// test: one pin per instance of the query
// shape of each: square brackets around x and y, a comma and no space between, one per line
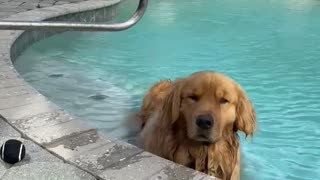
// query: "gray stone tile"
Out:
[16,100]
[4,46]
[7,130]
[44,5]
[15,91]
[49,134]
[12,35]
[79,144]
[5,35]
[4,1]
[61,2]
[47,171]
[6,60]
[2,61]
[9,8]
[74,1]
[12,3]
[210,178]
[6,68]
[178,172]
[3,168]
[99,159]
[5,14]
[35,15]
[48,1]
[29,6]
[4,76]
[141,166]
[29,110]
[12,83]
[45,119]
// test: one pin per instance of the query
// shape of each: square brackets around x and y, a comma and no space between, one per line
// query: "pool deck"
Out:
[58,145]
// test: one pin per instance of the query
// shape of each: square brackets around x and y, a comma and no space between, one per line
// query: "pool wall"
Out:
[53,128]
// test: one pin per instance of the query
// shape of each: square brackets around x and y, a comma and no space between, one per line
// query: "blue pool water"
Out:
[271,47]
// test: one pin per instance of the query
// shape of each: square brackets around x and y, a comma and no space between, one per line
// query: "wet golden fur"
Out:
[169,130]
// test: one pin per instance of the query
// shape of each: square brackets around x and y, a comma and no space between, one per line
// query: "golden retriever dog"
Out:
[194,121]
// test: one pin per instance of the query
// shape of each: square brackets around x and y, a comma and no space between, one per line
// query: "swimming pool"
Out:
[270,47]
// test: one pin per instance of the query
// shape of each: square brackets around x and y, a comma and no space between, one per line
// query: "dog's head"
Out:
[210,106]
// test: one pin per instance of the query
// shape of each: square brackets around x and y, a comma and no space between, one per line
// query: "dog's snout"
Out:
[204,121]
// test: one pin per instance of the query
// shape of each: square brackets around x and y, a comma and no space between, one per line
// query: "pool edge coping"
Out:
[69,139]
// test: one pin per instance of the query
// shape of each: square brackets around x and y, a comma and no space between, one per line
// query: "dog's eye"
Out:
[194,97]
[223,101]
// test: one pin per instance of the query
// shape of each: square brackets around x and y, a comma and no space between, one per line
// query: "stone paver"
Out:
[148,166]
[7,130]
[46,135]
[179,173]
[18,98]
[10,7]
[140,166]
[42,120]
[3,169]
[12,92]
[47,171]
[99,159]
[6,14]
[77,145]
[11,83]
[21,112]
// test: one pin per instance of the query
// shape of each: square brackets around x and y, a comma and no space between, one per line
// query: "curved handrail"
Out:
[68,26]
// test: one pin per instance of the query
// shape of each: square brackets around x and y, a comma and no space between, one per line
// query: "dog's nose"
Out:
[204,121]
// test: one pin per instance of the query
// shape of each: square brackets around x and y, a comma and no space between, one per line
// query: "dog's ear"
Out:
[172,103]
[246,115]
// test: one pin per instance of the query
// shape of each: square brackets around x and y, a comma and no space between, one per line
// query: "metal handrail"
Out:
[68,26]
